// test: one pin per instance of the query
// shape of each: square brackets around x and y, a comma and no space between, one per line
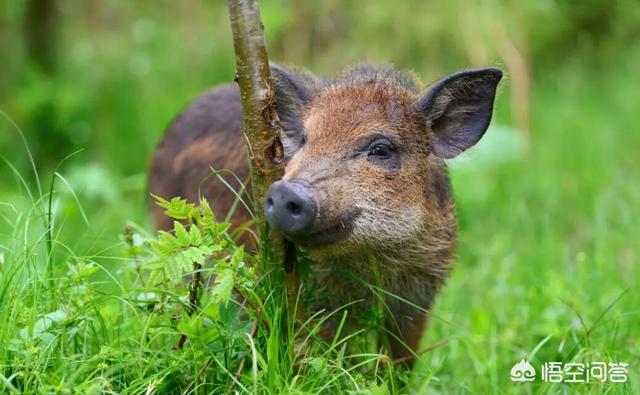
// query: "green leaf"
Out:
[173,270]
[84,270]
[223,227]
[160,248]
[166,245]
[195,236]
[223,286]
[208,218]
[160,201]
[182,263]
[182,235]
[238,255]
[154,264]
[177,208]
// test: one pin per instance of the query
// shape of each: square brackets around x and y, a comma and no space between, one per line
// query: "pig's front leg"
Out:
[405,333]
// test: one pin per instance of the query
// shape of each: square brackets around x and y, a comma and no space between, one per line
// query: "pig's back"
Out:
[207,134]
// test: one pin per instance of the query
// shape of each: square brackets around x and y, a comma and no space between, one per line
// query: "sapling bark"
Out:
[262,132]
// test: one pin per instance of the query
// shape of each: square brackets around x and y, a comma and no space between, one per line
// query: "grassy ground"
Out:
[548,252]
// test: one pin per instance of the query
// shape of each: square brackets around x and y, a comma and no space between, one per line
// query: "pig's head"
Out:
[365,154]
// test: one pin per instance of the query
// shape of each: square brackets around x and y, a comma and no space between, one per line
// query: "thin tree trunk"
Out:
[261,129]
[41,33]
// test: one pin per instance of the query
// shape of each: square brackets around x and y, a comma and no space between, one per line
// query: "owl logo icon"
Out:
[523,371]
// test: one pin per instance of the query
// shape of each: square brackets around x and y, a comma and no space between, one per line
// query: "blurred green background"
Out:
[549,201]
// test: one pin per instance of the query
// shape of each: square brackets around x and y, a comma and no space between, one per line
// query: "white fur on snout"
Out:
[382,226]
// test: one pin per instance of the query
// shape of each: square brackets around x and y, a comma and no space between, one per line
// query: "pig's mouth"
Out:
[327,235]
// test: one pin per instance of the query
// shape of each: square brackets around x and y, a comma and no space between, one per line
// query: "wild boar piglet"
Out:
[365,189]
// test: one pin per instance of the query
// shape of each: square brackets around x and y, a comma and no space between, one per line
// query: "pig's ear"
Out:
[294,91]
[458,109]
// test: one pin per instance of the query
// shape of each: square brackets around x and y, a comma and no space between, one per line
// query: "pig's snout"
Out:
[290,208]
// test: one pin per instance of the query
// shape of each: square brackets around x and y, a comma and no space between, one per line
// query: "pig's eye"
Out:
[380,151]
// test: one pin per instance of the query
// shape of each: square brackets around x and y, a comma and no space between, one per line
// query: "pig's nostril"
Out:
[294,208]
[289,207]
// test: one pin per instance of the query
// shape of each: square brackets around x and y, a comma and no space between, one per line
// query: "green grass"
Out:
[547,266]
